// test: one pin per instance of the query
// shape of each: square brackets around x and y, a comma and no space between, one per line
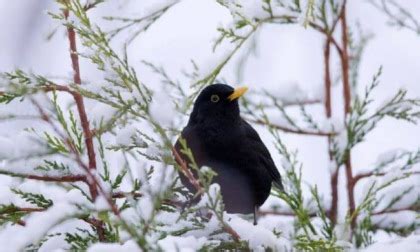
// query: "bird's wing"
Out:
[263,154]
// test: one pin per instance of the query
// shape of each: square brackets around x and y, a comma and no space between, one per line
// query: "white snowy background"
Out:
[285,55]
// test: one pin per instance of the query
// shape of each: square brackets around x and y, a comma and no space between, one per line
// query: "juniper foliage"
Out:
[113,179]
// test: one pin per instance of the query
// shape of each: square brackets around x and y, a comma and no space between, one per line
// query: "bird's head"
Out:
[217,103]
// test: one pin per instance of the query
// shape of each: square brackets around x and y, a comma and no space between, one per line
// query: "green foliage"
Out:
[305,244]
[33,198]
[53,166]
[19,84]
[10,214]
[80,241]
[130,99]
[361,121]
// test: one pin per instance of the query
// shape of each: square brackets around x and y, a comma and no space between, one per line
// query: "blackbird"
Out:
[220,139]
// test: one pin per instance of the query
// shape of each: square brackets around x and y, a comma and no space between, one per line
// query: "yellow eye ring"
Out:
[214,98]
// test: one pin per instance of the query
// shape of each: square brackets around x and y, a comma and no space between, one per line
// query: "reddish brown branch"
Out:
[71,34]
[329,36]
[120,195]
[87,133]
[345,63]
[396,210]
[68,178]
[21,223]
[23,209]
[328,113]
[80,105]
[360,176]
[347,109]
[334,195]
[350,189]
[328,105]
[262,213]
[55,87]
[187,172]
[99,227]
[228,229]
[327,78]
[51,87]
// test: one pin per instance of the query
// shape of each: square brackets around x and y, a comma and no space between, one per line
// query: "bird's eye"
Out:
[214,98]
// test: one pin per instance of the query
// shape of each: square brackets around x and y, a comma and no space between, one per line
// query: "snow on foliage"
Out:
[90,165]
[409,244]
[129,246]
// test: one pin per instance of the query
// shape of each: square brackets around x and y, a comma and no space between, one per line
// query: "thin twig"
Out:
[67,178]
[360,176]
[396,210]
[267,212]
[289,130]
[187,172]
[22,209]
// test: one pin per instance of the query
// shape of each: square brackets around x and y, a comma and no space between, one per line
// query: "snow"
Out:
[408,189]
[285,163]
[398,220]
[22,144]
[101,204]
[208,65]
[214,190]
[37,225]
[182,244]
[153,150]
[54,244]
[388,156]
[292,93]
[258,237]
[332,166]
[253,10]
[102,113]
[145,207]
[406,244]
[7,148]
[332,124]
[151,6]
[128,246]
[162,109]
[171,46]
[248,8]
[342,141]
[125,135]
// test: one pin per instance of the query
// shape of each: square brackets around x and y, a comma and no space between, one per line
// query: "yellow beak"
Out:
[238,92]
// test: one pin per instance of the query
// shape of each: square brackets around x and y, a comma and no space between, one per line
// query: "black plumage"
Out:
[219,138]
